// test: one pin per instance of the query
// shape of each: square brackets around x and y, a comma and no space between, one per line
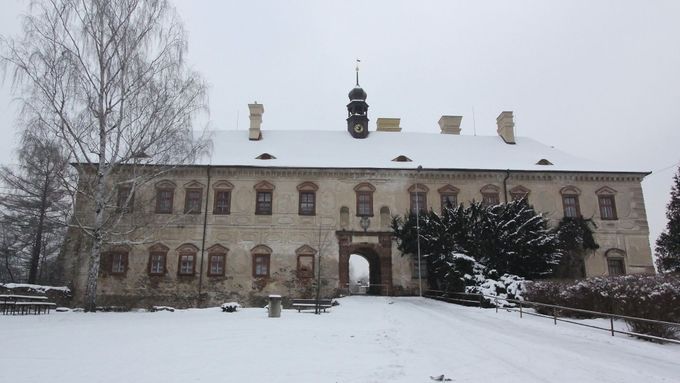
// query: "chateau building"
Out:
[268,209]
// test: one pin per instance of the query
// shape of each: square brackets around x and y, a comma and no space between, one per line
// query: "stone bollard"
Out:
[274,306]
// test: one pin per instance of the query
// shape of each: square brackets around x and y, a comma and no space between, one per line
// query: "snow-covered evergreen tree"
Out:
[668,243]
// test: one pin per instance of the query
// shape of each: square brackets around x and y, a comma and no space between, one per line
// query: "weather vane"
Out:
[358,61]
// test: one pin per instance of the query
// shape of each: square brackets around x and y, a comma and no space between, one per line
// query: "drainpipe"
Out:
[505,185]
[205,225]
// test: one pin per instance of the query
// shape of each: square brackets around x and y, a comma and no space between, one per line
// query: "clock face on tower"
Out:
[358,128]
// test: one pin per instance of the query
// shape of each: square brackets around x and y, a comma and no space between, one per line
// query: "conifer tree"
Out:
[668,243]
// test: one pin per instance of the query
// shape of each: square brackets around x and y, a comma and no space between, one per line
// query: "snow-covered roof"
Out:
[338,149]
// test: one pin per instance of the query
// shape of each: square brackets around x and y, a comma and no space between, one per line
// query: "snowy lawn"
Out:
[365,339]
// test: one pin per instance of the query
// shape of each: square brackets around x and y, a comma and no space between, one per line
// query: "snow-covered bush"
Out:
[230,307]
[645,296]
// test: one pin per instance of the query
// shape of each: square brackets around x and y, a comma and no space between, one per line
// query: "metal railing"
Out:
[478,300]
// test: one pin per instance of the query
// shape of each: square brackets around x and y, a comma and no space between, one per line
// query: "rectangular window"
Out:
[216,265]
[365,204]
[307,203]
[186,264]
[222,202]
[449,200]
[615,266]
[164,200]
[118,263]
[264,203]
[123,204]
[261,265]
[490,199]
[570,203]
[418,202]
[419,268]
[305,266]
[607,207]
[193,201]
[157,263]
[517,196]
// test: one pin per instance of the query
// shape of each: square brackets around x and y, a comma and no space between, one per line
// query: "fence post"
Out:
[555,315]
[520,309]
[611,324]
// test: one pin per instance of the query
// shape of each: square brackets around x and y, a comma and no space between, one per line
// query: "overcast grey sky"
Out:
[597,79]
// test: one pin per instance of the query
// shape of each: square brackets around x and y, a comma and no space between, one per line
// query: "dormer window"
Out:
[402,158]
[265,156]
[543,161]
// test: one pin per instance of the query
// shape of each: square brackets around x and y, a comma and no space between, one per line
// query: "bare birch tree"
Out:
[107,78]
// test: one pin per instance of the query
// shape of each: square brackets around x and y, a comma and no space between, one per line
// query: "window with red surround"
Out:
[125,200]
[261,257]
[364,196]
[305,261]
[519,192]
[490,195]
[157,259]
[222,197]
[186,260]
[307,198]
[264,198]
[606,198]
[164,200]
[448,196]
[418,198]
[570,201]
[193,201]
[119,262]
[217,260]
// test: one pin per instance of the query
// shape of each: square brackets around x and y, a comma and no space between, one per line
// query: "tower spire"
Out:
[357,68]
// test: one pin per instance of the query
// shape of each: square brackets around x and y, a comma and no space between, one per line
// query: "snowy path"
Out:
[366,339]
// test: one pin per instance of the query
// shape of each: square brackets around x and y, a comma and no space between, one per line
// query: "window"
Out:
[307,198]
[305,262]
[519,192]
[124,200]
[261,256]
[570,202]
[615,266]
[222,197]
[607,202]
[364,195]
[418,198]
[448,196]
[193,201]
[217,258]
[187,260]
[157,259]
[419,269]
[119,261]
[263,200]
[490,195]
[165,195]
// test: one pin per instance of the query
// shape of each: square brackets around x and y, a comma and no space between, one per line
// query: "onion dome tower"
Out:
[357,111]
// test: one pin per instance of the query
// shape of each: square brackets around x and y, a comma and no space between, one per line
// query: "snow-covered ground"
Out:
[365,339]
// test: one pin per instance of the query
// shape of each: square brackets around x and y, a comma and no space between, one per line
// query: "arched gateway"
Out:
[376,248]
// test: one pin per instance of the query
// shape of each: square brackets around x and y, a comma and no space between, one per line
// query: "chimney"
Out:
[506,127]
[388,125]
[256,110]
[450,124]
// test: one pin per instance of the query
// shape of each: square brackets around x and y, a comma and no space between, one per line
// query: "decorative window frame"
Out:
[160,250]
[109,257]
[165,186]
[417,189]
[264,252]
[364,189]
[217,251]
[307,188]
[617,255]
[193,187]
[490,191]
[606,192]
[302,252]
[447,191]
[519,192]
[222,187]
[187,250]
[126,206]
[571,191]
[264,187]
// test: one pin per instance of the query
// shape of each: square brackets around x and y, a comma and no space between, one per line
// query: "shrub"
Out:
[654,297]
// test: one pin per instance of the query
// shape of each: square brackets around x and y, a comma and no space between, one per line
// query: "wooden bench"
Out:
[25,304]
[311,304]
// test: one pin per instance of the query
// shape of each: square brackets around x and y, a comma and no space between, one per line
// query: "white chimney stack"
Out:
[506,127]
[388,125]
[256,111]
[450,124]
